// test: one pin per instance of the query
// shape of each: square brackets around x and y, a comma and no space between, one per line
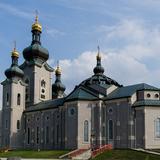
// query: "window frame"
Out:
[18,125]
[18,99]
[86,131]
[27,90]
[157,133]
[112,135]
[42,89]
[7,99]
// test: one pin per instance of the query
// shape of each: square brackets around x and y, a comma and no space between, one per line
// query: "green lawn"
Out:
[34,154]
[126,155]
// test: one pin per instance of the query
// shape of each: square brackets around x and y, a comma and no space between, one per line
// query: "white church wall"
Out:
[134,98]
[84,114]
[42,74]
[151,115]
[154,95]
[35,75]
[111,89]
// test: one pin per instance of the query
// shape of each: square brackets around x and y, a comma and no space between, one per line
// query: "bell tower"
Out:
[13,104]
[38,73]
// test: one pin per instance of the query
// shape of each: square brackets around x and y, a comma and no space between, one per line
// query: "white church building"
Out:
[37,114]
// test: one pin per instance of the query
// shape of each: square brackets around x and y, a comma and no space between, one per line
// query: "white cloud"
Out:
[132,38]
[125,63]
[125,70]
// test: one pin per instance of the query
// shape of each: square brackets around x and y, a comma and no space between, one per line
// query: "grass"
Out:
[34,154]
[126,155]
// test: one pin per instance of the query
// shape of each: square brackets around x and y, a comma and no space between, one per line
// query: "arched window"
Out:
[28,135]
[157,128]
[18,124]
[7,98]
[110,127]
[43,84]
[27,90]
[37,135]
[86,131]
[27,81]
[18,99]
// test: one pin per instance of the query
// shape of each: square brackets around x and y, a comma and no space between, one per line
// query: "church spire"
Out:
[36,30]
[98,54]
[36,51]
[14,70]
[58,88]
[14,55]
[98,69]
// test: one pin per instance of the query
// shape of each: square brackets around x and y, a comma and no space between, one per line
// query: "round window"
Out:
[156,95]
[148,95]
[43,91]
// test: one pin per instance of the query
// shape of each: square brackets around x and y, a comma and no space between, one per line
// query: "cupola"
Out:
[98,70]
[58,88]
[35,51]
[14,70]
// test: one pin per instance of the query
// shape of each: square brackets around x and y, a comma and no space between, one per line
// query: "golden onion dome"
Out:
[36,25]
[15,53]
[58,70]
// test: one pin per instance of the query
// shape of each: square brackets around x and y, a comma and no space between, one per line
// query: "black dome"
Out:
[100,80]
[98,70]
[58,86]
[14,71]
[35,51]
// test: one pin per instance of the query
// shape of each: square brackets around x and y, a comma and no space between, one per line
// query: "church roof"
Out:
[101,80]
[39,63]
[50,104]
[35,51]
[128,91]
[147,103]
[81,93]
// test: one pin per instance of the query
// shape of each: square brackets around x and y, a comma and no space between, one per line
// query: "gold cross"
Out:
[14,42]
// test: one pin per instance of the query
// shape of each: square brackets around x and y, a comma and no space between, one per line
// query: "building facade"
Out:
[37,114]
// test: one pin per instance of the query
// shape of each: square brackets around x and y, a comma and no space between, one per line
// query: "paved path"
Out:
[147,151]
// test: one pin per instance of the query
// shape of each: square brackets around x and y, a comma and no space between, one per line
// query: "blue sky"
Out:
[128,32]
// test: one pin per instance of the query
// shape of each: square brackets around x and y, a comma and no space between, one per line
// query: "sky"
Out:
[127,31]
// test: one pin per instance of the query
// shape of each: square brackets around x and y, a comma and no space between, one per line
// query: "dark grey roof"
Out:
[35,51]
[128,91]
[37,62]
[50,104]
[147,103]
[100,80]
[81,93]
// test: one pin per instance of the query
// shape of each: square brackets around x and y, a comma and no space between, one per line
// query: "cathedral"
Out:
[37,114]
